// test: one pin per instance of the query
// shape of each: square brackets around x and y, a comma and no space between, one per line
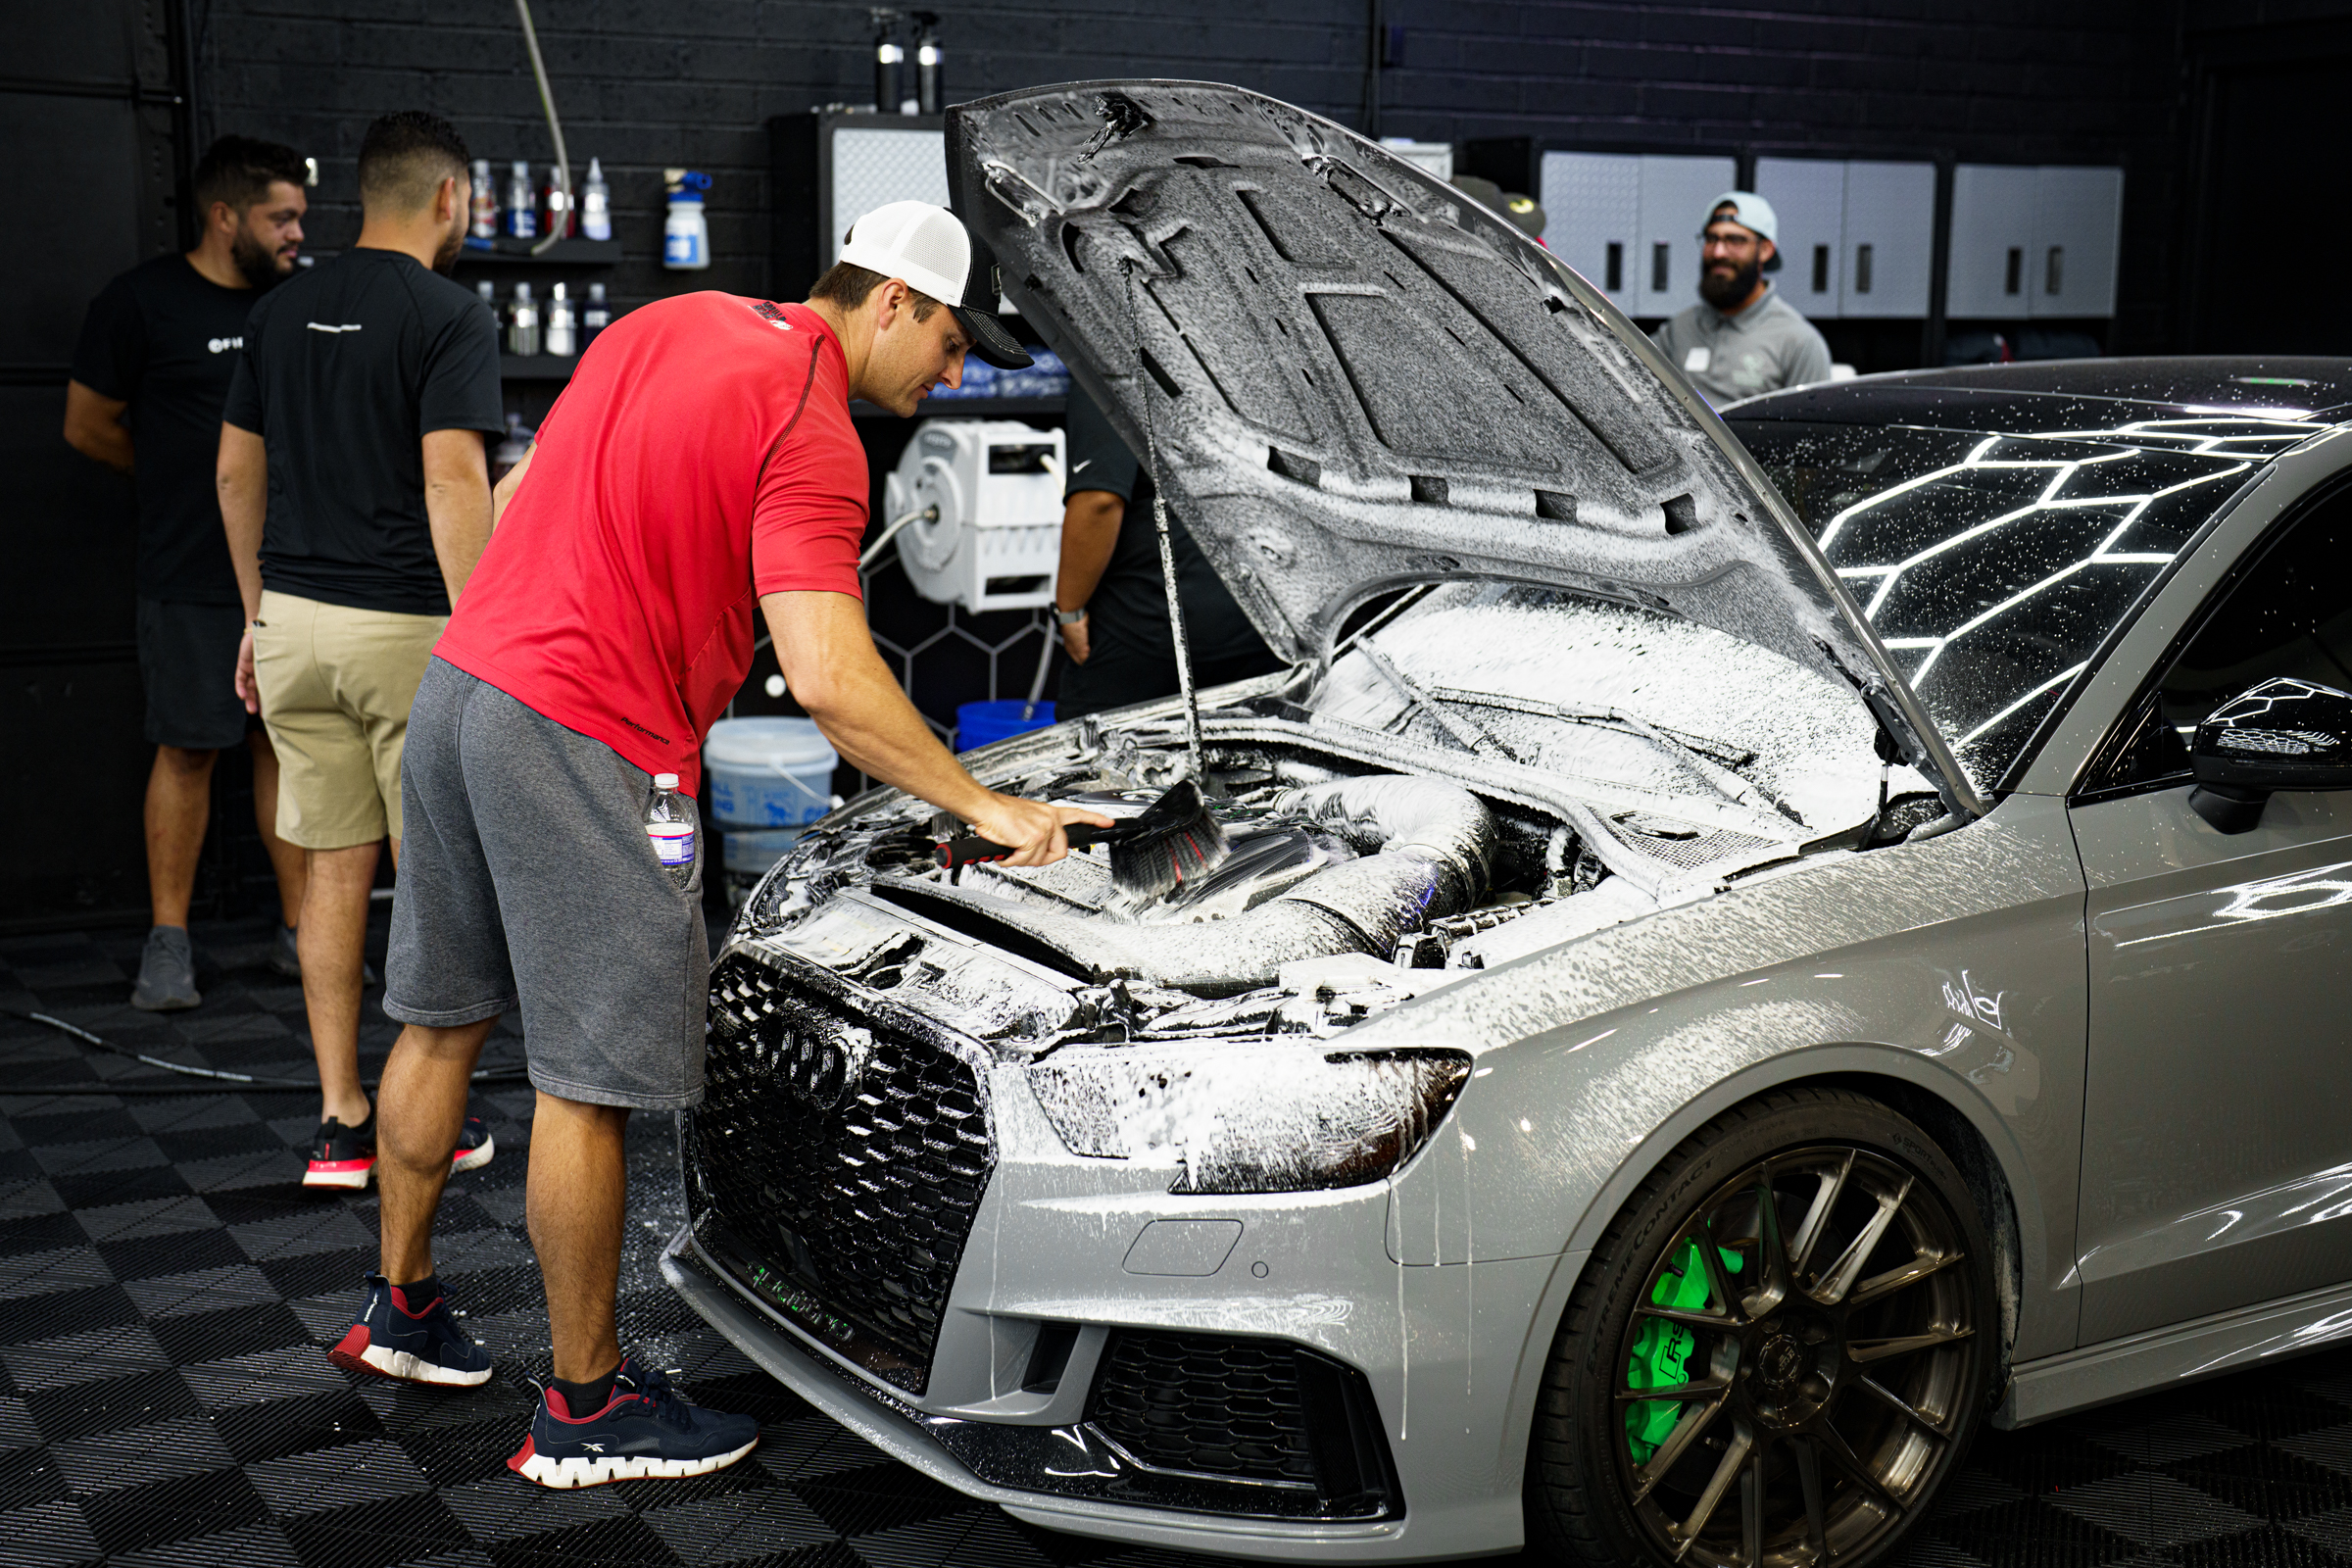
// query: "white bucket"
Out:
[767,773]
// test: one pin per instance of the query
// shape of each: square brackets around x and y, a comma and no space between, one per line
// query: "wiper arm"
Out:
[1466,732]
[1736,788]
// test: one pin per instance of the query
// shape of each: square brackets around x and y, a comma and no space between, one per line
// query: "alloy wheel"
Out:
[1792,1376]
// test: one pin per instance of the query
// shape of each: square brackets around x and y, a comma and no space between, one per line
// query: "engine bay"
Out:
[1483,771]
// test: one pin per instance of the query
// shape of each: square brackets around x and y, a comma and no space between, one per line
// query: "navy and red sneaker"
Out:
[340,1155]
[645,1432]
[474,1147]
[413,1341]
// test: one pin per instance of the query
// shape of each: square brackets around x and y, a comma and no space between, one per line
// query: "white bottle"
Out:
[522,323]
[560,339]
[484,202]
[596,203]
[523,211]
[669,823]
[488,293]
[686,236]
[596,316]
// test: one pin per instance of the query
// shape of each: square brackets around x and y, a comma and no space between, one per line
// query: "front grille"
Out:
[835,1169]
[1255,1412]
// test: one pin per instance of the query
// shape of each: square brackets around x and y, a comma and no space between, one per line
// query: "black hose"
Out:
[229,1082]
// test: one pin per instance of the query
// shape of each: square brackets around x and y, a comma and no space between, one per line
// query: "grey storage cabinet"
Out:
[2078,231]
[1628,222]
[1674,192]
[1808,196]
[2033,241]
[1592,216]
[1890,239]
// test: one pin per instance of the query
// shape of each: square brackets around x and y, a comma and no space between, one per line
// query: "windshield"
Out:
[1992,565]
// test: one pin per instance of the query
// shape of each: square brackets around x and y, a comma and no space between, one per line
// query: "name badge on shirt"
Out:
[1698,359]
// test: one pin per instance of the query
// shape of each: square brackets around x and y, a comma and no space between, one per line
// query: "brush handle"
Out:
[970,849]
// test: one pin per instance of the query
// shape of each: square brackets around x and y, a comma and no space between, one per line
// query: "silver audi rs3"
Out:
[1751,945]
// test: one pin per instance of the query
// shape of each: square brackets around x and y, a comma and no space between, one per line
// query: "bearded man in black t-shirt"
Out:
[150,375]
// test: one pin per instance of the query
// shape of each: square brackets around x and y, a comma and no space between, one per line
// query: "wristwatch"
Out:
[1068,618]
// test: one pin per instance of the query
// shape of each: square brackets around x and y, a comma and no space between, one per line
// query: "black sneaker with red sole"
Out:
[345,1157]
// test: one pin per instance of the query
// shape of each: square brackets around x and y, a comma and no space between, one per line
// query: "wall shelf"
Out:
[568,252]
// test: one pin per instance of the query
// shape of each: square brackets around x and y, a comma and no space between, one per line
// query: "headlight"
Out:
[1249,1117]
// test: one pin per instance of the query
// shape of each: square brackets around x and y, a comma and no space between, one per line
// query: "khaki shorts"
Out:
[336,684]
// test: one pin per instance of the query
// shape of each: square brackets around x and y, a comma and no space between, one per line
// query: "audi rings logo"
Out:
[821,1060]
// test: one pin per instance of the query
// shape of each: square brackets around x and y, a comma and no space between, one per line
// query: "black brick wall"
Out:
[649,84]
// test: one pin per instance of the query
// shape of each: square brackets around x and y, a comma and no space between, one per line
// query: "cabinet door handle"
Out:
[1861,268]
[1661,264]
[1616,268]
[2054,272]
[2015,280]
[1821,268]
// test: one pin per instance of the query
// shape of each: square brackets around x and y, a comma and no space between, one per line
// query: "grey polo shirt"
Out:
[1764,348]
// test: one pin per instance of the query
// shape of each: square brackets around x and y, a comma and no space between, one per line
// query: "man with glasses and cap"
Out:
[1744,338]
[699,468]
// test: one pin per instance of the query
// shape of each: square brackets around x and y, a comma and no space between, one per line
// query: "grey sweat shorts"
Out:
[527,880]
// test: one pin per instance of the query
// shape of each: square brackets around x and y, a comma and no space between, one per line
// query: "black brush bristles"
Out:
[1172,841]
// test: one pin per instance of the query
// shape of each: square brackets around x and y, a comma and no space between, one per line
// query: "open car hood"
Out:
[1350,376]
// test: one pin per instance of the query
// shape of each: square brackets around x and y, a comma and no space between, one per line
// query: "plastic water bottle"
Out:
[596,203]
[669,823]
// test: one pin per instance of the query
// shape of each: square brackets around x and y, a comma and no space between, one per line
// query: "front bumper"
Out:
[1445,1520]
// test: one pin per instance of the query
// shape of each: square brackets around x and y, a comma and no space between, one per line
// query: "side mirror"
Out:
[2283,734]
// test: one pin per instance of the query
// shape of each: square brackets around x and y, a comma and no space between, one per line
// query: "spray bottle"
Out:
[522,323]
[596,203]
[928,83]
[484,225]
[686,235]
[596,316]
[888,56]
[522,213]
[561,339]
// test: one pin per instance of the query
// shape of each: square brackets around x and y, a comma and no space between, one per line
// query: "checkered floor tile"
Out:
[166,1291]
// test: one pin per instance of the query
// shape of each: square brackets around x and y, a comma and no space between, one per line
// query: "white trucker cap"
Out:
[1749,210]
[929,250]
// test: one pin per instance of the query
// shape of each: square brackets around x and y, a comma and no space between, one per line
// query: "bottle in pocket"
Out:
[669,824]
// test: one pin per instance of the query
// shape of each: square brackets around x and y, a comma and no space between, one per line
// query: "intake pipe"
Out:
[1426,849]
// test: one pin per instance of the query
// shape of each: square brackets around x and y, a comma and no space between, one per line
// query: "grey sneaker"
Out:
[166,973]
[282,957]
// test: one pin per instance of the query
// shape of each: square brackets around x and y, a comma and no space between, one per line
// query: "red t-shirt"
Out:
[702,455]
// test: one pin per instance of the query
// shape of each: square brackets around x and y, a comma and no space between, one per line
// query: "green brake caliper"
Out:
[1661,1349]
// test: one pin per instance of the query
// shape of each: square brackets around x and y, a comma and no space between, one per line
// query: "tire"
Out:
[1815,1410]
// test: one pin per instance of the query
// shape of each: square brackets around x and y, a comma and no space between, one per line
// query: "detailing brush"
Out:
[1169,843]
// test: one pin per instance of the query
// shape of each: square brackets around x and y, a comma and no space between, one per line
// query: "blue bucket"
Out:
[979,724]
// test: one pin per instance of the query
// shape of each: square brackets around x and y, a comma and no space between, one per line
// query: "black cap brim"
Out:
[990,340]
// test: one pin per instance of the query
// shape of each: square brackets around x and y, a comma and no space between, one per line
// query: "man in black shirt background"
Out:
[357,498]
[1109,596]
[150,373]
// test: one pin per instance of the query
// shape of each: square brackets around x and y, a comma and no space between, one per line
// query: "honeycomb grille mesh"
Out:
[1205,1405]
[855,1177]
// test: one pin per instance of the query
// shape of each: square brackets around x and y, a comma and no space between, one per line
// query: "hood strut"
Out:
[1182,644]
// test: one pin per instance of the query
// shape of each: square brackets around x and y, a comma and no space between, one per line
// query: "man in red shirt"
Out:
[701,460]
